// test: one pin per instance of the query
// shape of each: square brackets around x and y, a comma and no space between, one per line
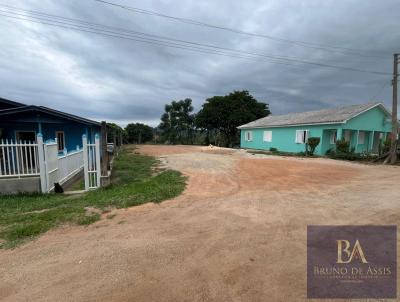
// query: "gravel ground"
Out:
[238,233]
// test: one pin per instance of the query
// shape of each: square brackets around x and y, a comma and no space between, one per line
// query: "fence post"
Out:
[85,162]
[104,153]
[98,165]
[42,165]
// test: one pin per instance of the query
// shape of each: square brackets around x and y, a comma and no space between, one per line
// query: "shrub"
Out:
[342,146]
[312,144]
[345,155]
[386,145]
[272,149]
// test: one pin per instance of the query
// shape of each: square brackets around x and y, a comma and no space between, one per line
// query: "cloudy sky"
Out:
[124,80]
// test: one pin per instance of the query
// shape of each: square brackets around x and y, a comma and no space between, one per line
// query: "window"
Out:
[248,136]
[25,136]
[333,137]
[268,136]
[60,140]
[361,138]
[301,136]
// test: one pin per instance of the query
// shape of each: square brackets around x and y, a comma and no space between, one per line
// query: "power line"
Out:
[161,43]
[104,30]
[380,90]
[323,47]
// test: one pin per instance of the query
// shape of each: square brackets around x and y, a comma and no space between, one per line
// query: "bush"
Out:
[345,155]
[272,149]
[386,145]
[312,144]
[342,146]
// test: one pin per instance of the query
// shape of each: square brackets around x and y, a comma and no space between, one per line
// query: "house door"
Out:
[25,136]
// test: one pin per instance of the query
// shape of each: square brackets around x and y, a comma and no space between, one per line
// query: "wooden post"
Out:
[85,162]
[120,139]
[104,153]
[98,170]
[42,165]
[393,147]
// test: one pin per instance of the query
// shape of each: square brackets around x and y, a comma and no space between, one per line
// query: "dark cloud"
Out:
[123,81]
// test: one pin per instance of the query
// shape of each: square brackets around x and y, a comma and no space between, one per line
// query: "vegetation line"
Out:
[25,216]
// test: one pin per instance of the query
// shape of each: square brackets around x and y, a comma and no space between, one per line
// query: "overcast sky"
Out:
[124,81]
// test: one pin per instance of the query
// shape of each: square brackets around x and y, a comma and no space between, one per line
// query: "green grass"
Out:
[23,217]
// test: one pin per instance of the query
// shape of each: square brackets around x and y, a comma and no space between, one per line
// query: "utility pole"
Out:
[393,148]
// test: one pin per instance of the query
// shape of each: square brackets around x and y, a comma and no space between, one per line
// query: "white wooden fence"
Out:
[26,159]
[18,159]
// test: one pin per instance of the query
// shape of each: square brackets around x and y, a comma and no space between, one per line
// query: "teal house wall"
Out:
[373,124]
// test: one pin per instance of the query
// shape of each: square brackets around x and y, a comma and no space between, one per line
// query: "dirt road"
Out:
[238,233]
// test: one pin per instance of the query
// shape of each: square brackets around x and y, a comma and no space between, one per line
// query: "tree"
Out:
[177,123]
[312,144]
[226,113]
[138,133]
[114,130]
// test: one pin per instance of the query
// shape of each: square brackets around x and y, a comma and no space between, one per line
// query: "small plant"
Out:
[386,145]
[312,144]
[342,146]
[272,149]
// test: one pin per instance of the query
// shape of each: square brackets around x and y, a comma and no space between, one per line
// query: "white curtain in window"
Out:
[302,136]
[333,137]
[267,136]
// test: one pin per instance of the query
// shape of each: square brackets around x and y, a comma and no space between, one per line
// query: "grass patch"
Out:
[25,216]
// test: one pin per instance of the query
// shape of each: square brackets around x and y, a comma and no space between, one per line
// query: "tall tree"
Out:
[177,123]
[226,113]
[114,130]
[138,133]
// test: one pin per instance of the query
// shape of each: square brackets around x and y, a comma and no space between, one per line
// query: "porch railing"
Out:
[70,164]
[18,159]
[23,159]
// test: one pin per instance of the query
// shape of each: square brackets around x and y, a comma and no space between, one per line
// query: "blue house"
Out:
[40,147]
[21,122]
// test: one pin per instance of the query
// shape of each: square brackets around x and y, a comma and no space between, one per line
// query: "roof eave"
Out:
[49,111]
[291,125]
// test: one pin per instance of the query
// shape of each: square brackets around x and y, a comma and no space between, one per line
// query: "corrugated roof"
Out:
[325,116]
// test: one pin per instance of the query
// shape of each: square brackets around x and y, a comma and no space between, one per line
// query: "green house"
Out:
[364,126]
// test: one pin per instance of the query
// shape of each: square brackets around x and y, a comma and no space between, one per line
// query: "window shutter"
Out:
[299,136]
[248,136]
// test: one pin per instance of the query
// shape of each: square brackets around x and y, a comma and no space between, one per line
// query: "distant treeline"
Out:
[216,122]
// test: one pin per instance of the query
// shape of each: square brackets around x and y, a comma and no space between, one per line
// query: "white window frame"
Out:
[267,136]
[58,143]
[361,137]
[248,136]
[304,136]
[333,137]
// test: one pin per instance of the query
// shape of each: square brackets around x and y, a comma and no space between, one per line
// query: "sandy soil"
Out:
[238,233]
